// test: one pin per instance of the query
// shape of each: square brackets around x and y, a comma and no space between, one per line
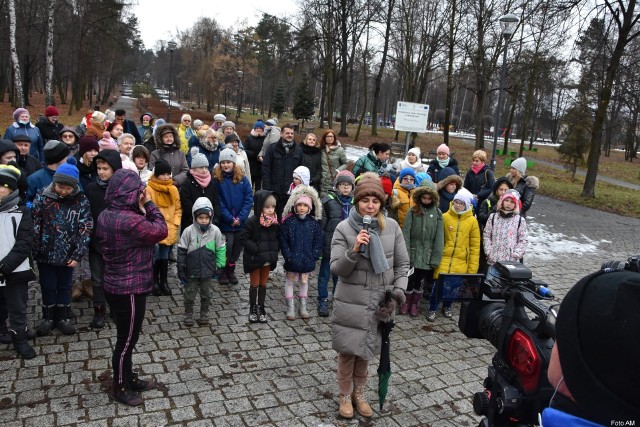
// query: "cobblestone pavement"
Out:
[283,373]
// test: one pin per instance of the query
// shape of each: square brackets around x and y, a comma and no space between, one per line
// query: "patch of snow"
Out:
[546,245]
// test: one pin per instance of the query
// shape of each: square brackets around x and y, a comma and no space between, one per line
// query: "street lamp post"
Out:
[172,46]
[508,23]
[189,94]
[240,80]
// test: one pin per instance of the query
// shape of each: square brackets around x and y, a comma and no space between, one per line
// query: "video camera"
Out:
[515,319]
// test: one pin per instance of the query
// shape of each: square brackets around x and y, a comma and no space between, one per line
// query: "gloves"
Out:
[398,295]
[386,310]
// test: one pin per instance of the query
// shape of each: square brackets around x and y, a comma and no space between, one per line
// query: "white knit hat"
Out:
[303,174]
[520,164]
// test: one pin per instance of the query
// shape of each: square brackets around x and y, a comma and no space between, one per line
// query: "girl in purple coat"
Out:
[128,229]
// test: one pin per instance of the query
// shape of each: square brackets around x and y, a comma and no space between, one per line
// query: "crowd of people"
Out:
[112,203]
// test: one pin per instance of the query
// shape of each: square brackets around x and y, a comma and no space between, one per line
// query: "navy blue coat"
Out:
[236,201]
[301,243]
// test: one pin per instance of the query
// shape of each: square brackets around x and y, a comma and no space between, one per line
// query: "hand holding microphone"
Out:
[366,223]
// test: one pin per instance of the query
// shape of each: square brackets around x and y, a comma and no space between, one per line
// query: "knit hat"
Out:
[197,122]
[67,173]
[368,185]
[9,176]
[230,138]
[107,143]
[464,196]
[305,200]
[227,124]
[596,334]
[112,157]
[98,117]
[303,174]
[198,160]
[88,143]
[19,112]
[54,151]
[51,111]
[387,185]
[421,176]
[227,155]
[511,194]
[166,129]
[416,151]
[161,167]
[185,117]
[407,171]
[271,122]
[443,148]
[258,124]
[520,164]
[219,118]
[344,176]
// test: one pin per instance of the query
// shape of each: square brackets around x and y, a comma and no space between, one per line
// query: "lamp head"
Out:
[172,45]
[508,24]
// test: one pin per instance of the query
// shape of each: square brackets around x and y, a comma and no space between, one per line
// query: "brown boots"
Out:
[358,400]
[83,287]
[346,407]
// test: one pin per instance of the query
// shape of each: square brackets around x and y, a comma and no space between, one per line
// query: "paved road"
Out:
[283,373]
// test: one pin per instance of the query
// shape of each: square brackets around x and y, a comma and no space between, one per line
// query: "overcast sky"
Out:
[159,19]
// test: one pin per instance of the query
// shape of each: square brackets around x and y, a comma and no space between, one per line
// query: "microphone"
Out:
[366,223]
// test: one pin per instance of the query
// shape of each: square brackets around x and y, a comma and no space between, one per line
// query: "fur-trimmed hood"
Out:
[532,181]
[158,136]
[425,187]
[449,179]
[304,190]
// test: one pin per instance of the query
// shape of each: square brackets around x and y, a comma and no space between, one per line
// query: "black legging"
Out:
[415,280]
[128,311]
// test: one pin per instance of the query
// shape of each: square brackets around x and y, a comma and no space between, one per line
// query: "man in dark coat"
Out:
[278,164]
[128,125]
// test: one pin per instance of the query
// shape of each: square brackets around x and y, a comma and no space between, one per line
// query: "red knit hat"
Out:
[51,111]
[387,185]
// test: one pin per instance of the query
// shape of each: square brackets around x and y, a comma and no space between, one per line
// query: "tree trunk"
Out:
[449,88]
[383,61]
[48,82]
[589,188]
[344,60]
[512,112]
[19,100]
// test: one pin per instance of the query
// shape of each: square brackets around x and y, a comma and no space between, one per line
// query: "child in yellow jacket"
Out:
[167,197]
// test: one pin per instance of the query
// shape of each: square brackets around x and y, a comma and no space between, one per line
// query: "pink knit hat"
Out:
[305,200]
[443,148]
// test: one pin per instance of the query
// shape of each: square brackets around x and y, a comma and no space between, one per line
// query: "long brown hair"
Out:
[237,173]
[323,137]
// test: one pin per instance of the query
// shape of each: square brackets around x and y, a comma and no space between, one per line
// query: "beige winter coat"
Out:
[355,327]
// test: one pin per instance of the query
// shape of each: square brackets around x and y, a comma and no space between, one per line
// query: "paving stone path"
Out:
[283,373]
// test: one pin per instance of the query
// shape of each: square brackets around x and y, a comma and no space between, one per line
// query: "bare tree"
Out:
[381,69]
[49,56]
[17,77]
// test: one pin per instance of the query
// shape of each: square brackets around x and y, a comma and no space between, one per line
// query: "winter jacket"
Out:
[96,191]
[481,183]
[37,181]
[145,132]
[424,233]
[88,174]
[301,239]
[335,209]
[243,162]
[261,244]
[312,158]
[368,163]
[170,153]
[278,167]
[236,201]
[252,146]
[185,133]
[434,168]
[62,226]
[190,191]
[201,253]
[527,187]
[28,164]
[272,135]
[505,237]
[49,130]
[211,151]
[127,236]
[129,126]
[355,327]
[37,143]
[401,201]
[16,243]
[167,198]
[448,176]
[461,252]
[337,161]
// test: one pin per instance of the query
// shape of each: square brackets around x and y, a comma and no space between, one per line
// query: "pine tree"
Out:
[577,141]
[278,102]
[303,107]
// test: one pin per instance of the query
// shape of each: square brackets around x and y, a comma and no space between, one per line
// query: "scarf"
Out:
[287,147]
[477,169]
[408,187]
[268,220]
[162,192]
[102,184]
[444,163]
[9,202]
[374,250]
[345,201]
[202,178]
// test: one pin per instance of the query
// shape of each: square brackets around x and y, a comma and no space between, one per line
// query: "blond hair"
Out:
[480,155]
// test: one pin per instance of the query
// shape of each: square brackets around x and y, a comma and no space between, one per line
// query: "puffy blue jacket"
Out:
[236,201]
[301,243]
